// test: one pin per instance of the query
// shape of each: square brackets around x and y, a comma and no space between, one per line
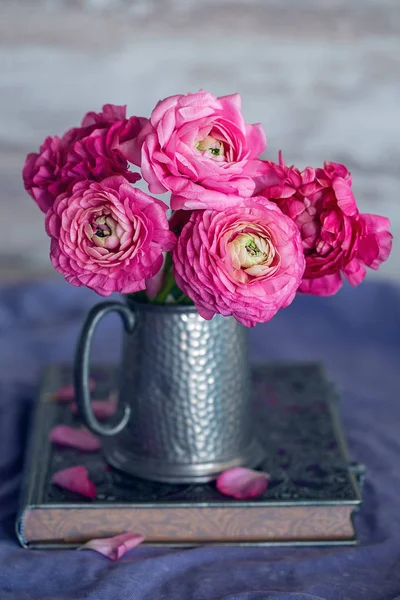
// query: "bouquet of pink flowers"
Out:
[245,234]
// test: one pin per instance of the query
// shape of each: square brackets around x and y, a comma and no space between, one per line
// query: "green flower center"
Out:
[211,147]
[252,249]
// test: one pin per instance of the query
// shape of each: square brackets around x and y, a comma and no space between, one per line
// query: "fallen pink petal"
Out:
[66,393]
[114,547]
[241,483]
[102,409]
[82,439]
[75,479]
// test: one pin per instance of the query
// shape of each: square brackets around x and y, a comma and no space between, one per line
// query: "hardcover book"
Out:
[312,495]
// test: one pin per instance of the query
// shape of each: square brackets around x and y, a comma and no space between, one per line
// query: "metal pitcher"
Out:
[185,388]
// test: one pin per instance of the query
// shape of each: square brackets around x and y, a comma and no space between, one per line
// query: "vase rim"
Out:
[170,308]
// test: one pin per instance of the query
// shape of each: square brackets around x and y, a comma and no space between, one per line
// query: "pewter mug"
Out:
[185,387]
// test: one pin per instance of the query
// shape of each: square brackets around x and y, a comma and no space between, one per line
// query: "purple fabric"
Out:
[356,334]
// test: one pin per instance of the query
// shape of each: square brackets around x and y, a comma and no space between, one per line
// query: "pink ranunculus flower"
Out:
[99,148]
[246,261]
[199,148]
[336,237]
[108,236]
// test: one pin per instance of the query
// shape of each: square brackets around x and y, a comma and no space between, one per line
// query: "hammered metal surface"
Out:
[303,452]
[188,383]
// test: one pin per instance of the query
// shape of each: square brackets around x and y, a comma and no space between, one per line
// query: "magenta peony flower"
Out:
[336,237]
[97,149]
[199,148]
[108,236]
[246,261]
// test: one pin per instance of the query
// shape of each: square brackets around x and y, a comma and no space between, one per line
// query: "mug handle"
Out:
[82,361]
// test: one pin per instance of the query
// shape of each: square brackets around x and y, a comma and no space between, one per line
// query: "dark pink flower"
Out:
[42,172]
[97,149]
[114,547]
[75,479]
[336,238]
[81,439]
[108,236]
[246,261]
[199,148]
[241,483]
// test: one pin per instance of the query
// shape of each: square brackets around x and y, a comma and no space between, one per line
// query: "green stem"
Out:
[167,287]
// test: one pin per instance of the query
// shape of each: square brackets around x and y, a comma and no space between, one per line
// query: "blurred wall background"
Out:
[323,76]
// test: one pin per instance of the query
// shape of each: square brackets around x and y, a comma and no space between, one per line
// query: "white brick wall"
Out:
[322,76]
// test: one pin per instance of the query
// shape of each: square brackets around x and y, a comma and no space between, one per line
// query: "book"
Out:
[312,495]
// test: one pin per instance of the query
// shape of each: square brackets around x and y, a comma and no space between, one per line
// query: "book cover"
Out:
[311,498]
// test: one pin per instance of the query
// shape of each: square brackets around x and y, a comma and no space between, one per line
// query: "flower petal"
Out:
[114,547]
[154,284]
[242,483]
[102,409]
[355,272]
[327,285]
[75,479]
[345,197]
[66,393]
[82,439]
